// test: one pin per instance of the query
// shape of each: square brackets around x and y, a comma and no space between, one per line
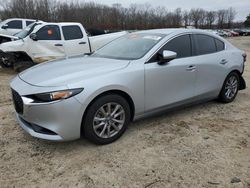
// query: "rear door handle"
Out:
[223,61]
[191,68]
[58,45]
[82,42]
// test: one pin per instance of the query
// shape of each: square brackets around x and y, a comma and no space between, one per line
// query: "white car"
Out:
[14,25]
[43,41]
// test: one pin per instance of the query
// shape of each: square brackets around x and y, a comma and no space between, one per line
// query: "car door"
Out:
[211,65]
[47,45]
[12,27]
[75,41]
[171,82]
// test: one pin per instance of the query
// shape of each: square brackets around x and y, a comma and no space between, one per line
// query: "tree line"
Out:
[116,17]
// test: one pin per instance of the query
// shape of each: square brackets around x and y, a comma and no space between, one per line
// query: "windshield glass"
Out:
[26,31]
[129,47]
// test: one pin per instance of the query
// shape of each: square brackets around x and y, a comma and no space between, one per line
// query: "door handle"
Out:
[58,45]
[191,68]
[82,42]
[223,61]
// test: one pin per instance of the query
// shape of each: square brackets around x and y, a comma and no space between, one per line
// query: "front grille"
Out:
[18,102]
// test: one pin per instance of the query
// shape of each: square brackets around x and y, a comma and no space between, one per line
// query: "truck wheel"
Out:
[7,61]
[22,65]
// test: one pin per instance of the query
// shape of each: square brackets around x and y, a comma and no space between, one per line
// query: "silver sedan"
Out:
[137,75]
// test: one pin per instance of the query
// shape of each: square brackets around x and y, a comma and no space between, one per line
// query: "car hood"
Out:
[9,36]
[66,71]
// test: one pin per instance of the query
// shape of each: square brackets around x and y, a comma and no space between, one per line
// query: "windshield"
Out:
[26,31]
[129,47]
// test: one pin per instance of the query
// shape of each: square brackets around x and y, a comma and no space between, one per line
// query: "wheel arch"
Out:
[242,81]
[122,93]
[22,56]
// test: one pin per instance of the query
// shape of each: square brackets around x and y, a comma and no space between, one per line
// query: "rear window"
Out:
[205,44]
[219,45]
[15,24]
[49,32]
[72,32]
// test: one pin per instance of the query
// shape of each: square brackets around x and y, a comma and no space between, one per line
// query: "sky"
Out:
[241,6]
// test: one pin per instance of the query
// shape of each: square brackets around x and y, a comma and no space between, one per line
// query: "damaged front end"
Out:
[19,61]
[7,59]
[7,38]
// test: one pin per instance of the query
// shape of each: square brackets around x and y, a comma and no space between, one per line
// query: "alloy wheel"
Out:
[109,120]
[231,87]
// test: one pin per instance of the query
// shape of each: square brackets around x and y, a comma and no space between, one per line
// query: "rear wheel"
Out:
[106,119]
[230,88]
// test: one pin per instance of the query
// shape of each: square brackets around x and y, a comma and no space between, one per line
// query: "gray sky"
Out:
[241,6]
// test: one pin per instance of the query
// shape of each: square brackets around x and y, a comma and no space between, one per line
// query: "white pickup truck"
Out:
[42,41]
[12,26]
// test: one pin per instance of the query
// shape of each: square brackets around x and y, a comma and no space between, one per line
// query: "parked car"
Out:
[235,34]
[14,25]
[43,41]
[242,32]
[223,33]
[132,77]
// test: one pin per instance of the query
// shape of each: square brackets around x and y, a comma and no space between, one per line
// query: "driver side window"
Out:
[181,45]
[49,32]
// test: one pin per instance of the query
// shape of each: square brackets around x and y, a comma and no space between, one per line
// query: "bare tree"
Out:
[221,17]
[230,17]
[196,16]
[186,18]
[210,18]
[116,17]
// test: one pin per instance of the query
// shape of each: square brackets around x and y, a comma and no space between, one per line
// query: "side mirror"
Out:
[33,36]
[5,26]
[167,56]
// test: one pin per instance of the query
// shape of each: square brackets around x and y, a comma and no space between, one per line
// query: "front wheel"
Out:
[230,88]
[106,119]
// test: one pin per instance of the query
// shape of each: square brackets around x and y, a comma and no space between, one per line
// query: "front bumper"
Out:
[57,121]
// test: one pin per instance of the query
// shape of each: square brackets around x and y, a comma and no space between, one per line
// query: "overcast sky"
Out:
[241,6]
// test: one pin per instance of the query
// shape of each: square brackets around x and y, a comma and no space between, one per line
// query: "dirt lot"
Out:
[201,146]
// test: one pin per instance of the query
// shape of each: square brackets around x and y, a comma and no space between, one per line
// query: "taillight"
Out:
[244,57]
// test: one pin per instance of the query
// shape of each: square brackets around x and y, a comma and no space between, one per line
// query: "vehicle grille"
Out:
[18,102]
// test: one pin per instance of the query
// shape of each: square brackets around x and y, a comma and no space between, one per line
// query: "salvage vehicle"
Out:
[10,27]
[132,77]
[42,41]
[14,25]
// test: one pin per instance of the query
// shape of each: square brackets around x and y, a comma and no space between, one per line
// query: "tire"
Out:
[101,128]
[232,83]
[7,61]
[22,65]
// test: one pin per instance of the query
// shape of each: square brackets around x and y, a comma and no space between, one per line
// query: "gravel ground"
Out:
[206,145]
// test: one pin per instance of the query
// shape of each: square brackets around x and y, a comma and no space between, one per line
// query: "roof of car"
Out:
[174,30]
[21,19]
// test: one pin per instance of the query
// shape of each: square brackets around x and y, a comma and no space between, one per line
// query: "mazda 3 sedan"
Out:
[132,77]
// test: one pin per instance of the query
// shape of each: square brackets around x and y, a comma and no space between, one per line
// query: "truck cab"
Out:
[42,41]
[14,25]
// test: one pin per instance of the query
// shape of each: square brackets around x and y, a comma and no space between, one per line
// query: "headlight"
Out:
[54,96]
